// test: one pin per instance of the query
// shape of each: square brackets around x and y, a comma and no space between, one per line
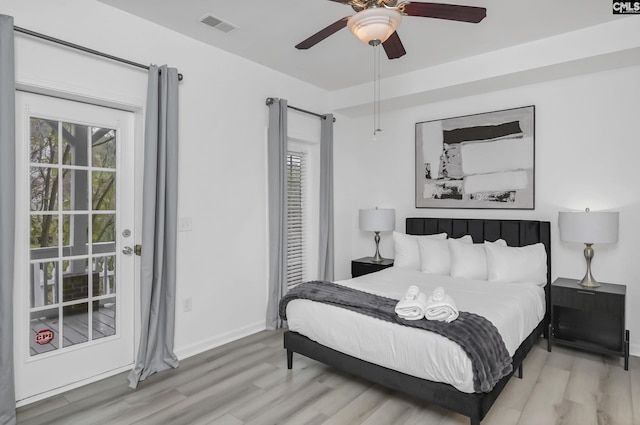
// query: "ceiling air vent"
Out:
[218,23]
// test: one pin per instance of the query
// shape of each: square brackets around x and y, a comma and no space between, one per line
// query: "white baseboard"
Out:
[202,346]
[634,350]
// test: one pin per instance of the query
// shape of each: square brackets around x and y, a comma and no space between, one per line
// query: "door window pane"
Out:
[44,189]
[75,229]
[104,190]
[105,270]
[104,318]
[103,148]
[44,232]
[104,228]
[75,190]
[74,144]
[75,324]
[75,286]
[44,335]
[44,141]
[44,283]
[76,283]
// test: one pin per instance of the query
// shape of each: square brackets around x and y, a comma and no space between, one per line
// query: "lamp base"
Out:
[377,258]
[588,281]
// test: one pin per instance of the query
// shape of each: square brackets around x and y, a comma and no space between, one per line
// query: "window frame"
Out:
[311,198]
[296,231]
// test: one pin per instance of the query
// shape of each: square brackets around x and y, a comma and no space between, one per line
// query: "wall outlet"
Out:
[187,305]
[184,224]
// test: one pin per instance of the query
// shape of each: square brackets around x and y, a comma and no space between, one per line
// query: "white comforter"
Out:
[515,310]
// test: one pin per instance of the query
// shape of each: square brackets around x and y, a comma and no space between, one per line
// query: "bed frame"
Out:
[473,405]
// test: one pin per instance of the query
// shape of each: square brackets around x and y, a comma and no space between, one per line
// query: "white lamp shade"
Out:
[377,23]
[589,226]
[378,220]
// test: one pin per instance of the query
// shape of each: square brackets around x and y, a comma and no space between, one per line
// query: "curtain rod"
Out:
[82,48]
[270,100]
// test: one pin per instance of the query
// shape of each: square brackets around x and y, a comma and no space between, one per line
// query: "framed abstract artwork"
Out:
[477,161]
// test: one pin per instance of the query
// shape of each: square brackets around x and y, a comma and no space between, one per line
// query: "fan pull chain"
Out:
[376,90]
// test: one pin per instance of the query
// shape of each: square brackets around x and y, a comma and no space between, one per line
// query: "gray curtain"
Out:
[159,226]
[277,180]
[7,218]
[325,260]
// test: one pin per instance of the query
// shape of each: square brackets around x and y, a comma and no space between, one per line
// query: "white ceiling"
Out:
[268,31]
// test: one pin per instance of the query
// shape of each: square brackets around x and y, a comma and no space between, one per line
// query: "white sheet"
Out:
[515,310]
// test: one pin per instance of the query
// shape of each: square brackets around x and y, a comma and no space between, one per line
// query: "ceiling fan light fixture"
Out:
[374,25]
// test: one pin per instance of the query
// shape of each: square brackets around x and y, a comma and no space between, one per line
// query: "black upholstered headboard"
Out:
[514,232]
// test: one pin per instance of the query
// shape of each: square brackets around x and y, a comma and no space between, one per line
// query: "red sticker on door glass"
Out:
[44,336]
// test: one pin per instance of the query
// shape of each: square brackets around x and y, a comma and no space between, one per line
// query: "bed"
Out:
[311,332]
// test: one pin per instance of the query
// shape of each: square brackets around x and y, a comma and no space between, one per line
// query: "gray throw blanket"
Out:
[477,336]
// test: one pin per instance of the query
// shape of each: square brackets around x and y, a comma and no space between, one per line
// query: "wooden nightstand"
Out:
[592,319]
[366,265]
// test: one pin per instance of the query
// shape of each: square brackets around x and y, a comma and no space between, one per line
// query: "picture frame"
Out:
[480,161]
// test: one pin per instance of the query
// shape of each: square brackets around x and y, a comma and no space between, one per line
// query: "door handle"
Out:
[127,250]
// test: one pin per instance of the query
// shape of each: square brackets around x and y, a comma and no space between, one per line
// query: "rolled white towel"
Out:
[412,305]
[440,306]
[412,293]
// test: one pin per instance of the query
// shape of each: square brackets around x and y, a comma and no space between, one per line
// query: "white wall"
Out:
[222,263]
[587,153]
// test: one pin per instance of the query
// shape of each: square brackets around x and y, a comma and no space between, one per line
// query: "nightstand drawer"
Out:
[574,298]
[587,300]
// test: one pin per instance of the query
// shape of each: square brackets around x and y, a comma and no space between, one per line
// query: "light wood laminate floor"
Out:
[247,382]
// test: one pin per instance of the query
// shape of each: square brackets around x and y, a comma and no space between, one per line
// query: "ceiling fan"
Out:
[376,21]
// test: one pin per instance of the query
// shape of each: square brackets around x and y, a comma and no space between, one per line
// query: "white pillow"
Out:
[517,265]
[469,261]
[465,239]
[434,254]
[407,253]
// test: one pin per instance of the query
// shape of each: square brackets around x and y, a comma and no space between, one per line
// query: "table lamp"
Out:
[588,227]
[377,220]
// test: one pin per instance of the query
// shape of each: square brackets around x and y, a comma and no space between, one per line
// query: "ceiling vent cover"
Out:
[218,23]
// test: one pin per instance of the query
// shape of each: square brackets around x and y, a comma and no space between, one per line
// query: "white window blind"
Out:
[295,217]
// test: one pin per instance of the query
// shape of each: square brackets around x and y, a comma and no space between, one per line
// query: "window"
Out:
[296,259]
[72,170]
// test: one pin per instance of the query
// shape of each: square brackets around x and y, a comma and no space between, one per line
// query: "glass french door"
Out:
[75,270]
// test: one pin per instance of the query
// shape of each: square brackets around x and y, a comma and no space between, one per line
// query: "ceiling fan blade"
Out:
[322,34]
[393,46]
[451,12]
